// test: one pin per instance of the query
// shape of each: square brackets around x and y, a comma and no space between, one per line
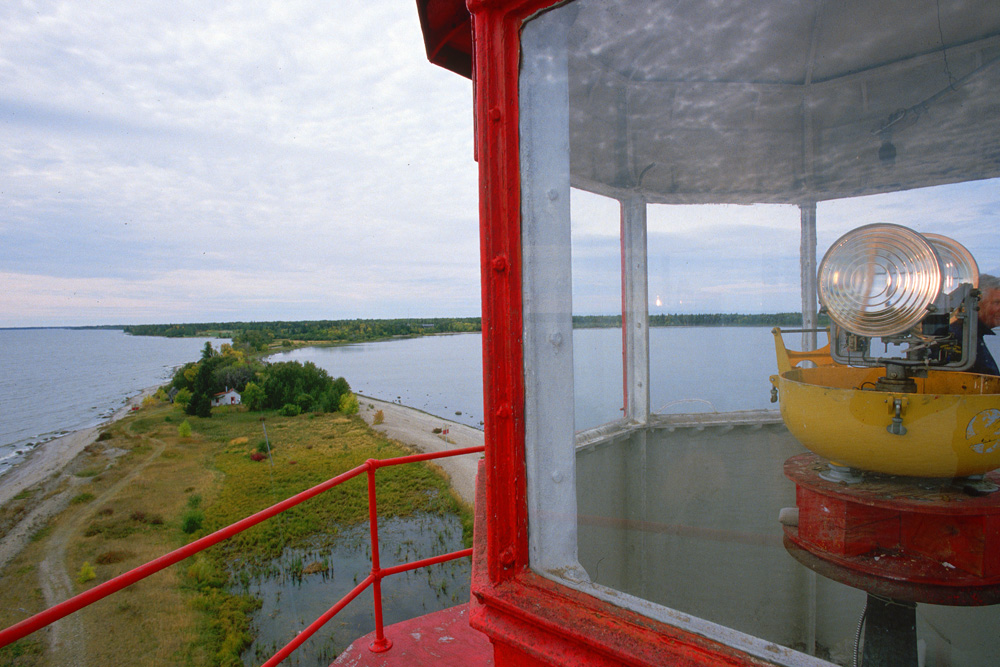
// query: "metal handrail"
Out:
[381,643]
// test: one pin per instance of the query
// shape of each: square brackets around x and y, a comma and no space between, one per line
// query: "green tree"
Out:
[290,410]
[183,397]
[349,404]
[253,397]
[202,387]
[200,406]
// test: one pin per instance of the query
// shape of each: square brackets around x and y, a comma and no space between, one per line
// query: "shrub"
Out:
[105,435]
[203,573]
[263,446]
[290,410]
[379,418]
[257,456]
[253,397]
[184,430]
[113,556]
[183,397]
[81,498]
[305,402]
[192,520]
[349,404]
[86,573]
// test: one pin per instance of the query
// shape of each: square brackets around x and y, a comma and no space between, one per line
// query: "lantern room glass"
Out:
[679,167]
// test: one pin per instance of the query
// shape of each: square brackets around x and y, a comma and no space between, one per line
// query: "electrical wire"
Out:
[857,635]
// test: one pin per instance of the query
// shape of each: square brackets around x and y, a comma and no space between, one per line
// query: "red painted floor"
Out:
[443,639]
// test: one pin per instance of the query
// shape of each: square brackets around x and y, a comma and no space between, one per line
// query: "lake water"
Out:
[692,369]
[292,597]
[55,381]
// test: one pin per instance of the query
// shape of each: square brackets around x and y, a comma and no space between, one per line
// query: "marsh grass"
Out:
[197,616]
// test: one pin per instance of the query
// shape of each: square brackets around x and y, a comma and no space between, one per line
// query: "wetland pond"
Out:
[303,583]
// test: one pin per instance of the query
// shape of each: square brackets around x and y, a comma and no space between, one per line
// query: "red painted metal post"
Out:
[381,643]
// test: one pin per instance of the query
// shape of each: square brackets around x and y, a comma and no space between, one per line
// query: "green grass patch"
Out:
[81,498]
[89,472]
[145,424]
[113,529]
[250,487]
[192,520]
[21,651]
[41,533]
[24,495]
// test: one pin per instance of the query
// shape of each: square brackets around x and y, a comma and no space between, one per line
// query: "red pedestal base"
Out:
[903,538]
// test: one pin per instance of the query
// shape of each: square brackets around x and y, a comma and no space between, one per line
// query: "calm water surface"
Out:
[55,381]
[290,602]
[693,369]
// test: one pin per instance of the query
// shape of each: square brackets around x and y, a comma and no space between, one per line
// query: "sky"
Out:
[183,162]
[190,162]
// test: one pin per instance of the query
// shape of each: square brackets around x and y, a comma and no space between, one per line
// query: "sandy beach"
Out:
[416,429]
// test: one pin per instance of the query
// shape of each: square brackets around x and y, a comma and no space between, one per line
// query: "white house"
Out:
[228,397]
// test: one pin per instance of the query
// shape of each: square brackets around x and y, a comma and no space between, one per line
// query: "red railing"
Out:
[381,643]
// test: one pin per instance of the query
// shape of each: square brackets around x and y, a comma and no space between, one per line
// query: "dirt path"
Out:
[415,428]
[67,643]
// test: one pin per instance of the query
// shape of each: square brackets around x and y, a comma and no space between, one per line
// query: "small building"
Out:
[227,397]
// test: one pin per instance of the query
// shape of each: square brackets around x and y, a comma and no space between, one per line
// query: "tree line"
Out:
[259,336]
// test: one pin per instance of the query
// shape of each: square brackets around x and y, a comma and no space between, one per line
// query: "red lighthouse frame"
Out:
[529,619]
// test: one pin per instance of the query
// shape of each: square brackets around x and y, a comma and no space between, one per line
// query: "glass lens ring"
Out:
[957,263]
[878,280]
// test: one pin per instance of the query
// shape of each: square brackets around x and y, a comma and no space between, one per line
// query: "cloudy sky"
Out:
[190,162]
[182,161]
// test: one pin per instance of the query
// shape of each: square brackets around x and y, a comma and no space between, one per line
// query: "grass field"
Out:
[142,490]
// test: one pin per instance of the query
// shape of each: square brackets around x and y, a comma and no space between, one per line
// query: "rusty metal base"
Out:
[899,538]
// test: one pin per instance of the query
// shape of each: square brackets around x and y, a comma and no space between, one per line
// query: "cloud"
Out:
[266,160]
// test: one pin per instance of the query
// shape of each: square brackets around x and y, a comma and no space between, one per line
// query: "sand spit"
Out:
[416,429]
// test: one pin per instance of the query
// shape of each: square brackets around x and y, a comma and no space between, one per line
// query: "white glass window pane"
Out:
[731,130]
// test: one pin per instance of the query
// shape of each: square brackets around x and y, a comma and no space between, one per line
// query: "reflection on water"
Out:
[304,583]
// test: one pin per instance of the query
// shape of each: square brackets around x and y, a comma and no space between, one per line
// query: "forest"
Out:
[262,335]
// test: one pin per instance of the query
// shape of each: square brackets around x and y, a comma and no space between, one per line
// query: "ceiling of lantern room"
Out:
[779,101]
[769,100]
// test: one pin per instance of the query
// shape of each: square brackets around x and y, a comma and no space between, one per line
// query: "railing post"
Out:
[381,643]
